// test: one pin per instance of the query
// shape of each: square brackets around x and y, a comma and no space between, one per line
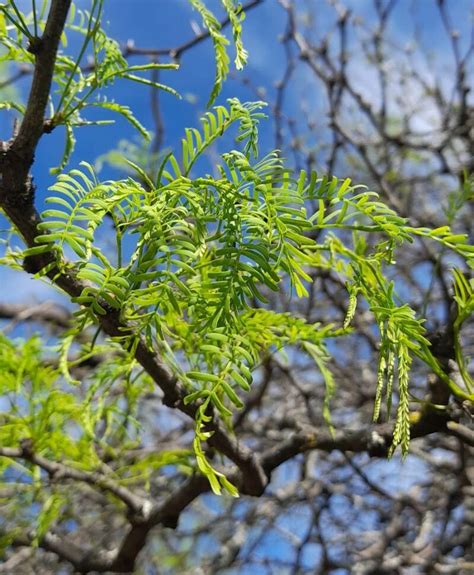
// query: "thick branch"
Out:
[45,49]
[16,189]
[373,439]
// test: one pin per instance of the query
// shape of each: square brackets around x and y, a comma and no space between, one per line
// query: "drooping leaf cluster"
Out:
[196,255]
[236,15]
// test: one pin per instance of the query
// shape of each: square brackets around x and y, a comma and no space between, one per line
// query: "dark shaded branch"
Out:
[462,432]
[67,551]
[373,439]
[45,49]
[16,189]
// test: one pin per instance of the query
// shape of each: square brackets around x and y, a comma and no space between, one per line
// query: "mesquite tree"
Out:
[196,357]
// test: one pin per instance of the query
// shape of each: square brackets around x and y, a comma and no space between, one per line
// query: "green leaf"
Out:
[125,112]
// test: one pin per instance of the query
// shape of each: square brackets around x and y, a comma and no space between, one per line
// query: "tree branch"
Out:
[373,439]
[47,311]
[177,52]
[45,50]
[59,471]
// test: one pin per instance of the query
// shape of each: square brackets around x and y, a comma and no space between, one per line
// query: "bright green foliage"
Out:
[464,298]
[195,258]
[78,429]
[235,15]
[76,87]
[202,250]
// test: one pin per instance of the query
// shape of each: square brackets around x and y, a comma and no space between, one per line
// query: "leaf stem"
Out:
[19,25]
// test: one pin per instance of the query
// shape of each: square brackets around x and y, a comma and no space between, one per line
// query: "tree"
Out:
[242,327]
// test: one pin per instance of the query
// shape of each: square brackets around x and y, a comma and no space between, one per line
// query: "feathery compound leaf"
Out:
[401,433]
[464,295]
[110,287]
[49,513]
[401,337]
[220,42]
[217,480]
[78,88]
[69,146]
[125,112]
[216,123]
[79,208]
[321,357]
[236,16]
[464,298]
